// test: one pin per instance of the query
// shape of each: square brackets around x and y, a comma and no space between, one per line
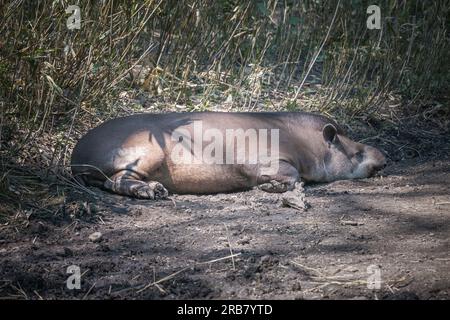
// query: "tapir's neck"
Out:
[309,155]
[311,167]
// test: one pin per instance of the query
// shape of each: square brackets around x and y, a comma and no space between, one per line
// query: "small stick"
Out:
[84,273]
[308,268]
[160,288]
[162,280]
[39,296]
[229,245]
[89,291]
[350,223]
[182,270]
[219,259]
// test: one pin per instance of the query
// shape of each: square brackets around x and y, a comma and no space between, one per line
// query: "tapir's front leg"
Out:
[282,181]
[127,183]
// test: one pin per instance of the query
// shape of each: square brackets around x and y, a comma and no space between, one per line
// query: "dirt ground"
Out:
[245,245]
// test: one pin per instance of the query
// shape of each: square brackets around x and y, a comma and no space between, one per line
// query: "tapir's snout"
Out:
[376,160]
[378,167]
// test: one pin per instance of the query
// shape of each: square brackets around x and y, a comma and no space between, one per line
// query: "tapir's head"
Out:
[344,158]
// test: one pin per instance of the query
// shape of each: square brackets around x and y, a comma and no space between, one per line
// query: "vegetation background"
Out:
[171,55]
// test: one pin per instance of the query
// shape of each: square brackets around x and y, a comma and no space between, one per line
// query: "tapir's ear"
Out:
[329,133]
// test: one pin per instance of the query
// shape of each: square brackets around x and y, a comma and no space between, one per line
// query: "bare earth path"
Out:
[398,224]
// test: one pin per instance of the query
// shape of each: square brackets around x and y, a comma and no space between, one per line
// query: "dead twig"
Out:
[89,291]
[350,223]
[154,283]
[229,245]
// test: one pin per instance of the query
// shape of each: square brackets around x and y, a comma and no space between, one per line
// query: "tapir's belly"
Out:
[203,178]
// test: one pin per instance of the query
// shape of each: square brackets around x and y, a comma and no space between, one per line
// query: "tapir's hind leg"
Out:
[127,183]
[284,180]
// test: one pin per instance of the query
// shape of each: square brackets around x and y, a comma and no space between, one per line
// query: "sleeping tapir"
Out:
[149,155]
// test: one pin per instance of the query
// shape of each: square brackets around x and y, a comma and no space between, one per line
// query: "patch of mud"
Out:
[390,231]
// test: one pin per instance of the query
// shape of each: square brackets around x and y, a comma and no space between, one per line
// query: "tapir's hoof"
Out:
[152,190]
[274,186]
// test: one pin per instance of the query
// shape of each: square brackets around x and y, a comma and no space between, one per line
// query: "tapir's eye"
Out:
[359,156]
